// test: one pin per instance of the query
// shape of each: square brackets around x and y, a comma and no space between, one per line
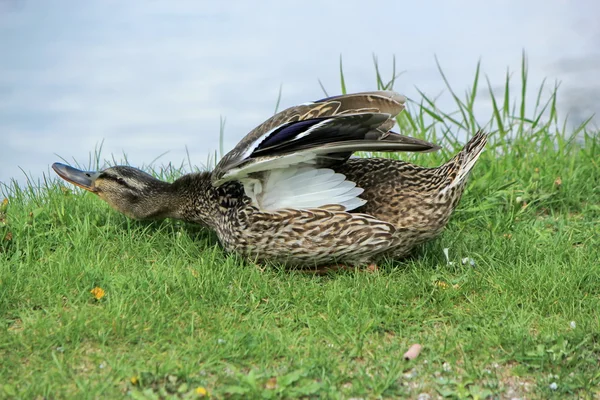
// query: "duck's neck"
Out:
[192,198]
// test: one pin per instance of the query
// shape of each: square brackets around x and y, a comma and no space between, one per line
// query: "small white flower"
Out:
[519,199]
[446,367]
[220,341]
[573,325]
[553,386]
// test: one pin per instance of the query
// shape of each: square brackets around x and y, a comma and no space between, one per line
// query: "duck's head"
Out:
[126,189]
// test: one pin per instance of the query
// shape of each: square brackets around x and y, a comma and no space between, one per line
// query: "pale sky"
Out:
[149,77]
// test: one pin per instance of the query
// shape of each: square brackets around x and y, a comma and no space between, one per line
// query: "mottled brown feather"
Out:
[380,102]
[404,209]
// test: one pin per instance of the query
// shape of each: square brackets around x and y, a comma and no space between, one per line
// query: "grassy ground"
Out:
[178,318]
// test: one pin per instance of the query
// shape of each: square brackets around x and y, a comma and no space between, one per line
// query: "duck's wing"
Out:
[275,160]
[322,133]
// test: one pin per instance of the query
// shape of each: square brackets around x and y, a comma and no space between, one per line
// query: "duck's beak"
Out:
[83,179]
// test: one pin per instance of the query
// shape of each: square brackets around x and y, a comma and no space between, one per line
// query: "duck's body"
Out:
[289,193]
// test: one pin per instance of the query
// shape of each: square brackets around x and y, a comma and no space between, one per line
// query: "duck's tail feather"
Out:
[457,169]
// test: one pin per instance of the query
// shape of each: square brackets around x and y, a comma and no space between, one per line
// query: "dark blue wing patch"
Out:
[342,128]
[288,132]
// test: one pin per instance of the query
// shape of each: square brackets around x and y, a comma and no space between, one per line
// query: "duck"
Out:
[291,192]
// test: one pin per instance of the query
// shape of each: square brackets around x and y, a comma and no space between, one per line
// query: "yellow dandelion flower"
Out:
[441,284]
[201,391]
[97,292]
[134,380]
[4,205]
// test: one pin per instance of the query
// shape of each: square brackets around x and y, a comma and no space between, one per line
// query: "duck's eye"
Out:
[121,181]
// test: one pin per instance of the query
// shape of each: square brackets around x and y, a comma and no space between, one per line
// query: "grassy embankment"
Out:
[179,317]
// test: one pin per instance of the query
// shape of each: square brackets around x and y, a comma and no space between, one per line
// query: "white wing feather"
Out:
[301,188]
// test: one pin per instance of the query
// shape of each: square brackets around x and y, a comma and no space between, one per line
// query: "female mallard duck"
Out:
[289,191]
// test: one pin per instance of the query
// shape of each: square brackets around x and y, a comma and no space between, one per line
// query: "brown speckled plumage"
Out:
[293,237]
[409,197]
[404,204]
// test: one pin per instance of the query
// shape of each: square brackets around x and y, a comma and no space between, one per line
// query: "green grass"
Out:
[179,314]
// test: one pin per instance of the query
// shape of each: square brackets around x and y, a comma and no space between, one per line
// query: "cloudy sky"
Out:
[147,77]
